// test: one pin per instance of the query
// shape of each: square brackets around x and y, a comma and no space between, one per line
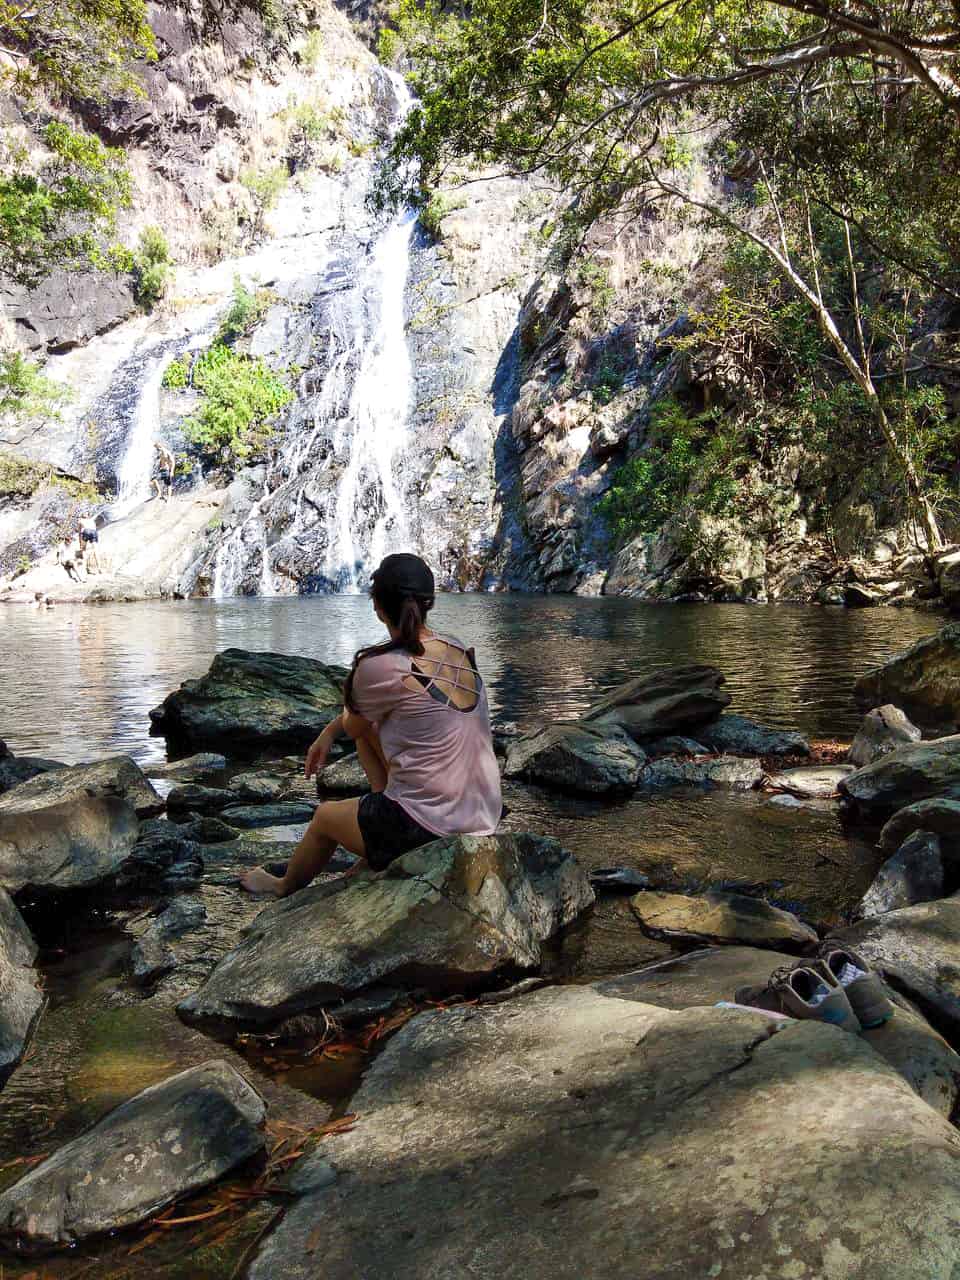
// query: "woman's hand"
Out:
[318,753]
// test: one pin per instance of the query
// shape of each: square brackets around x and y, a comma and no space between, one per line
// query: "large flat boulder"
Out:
[75,844]
[668,701]
[907,1041]
[913,874]
[917,771]
[720,917]
[591,1136]
[251,703]
[811,782]
[195,768]
[117,776]
[883,730]
[918,950]
[450,915]
[924,682]
[574,757]
[939,815]
[286,813]
[737,736]
[20,997]
[165,1142]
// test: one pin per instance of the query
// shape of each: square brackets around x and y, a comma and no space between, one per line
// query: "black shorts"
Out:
[388,830]
[89,535]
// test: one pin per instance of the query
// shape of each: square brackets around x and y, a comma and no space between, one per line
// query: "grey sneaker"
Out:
[863,988]
[803,992]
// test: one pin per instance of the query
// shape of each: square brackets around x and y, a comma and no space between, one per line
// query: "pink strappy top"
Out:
[443,771]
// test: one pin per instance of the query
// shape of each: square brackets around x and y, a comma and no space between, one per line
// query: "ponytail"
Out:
[407,614]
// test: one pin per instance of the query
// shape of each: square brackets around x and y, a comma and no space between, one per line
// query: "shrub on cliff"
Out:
[241,396]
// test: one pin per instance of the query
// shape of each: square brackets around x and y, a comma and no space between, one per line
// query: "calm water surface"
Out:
[77,682]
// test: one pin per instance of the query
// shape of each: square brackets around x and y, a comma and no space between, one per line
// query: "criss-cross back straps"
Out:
[452,675]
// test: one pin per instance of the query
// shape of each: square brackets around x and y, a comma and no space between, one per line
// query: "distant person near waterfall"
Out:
[417,709]
[164,469]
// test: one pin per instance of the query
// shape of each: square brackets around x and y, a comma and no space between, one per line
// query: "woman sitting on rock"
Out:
[417,710]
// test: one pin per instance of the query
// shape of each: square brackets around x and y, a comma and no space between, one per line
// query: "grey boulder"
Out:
[717,917]
[669,701]
[251,703]
[118,776]
[75,844]
[195,798]
[811,782]
[577,757]
[883,730]
[738,736]
[290,813]
[452,914]
[195,768]
[924,681]
[599,1137]
[914,874]
[917,771]
[344,777]
[732,772]
[941,816]
[21,1000]
[17,769]
[173,1138]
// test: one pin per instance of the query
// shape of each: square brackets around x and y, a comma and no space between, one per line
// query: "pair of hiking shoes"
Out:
[838,987]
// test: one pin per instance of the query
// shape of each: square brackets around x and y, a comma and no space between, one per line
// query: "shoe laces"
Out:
[781,977]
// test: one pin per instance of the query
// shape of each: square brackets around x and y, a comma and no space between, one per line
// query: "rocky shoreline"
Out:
[508,1113]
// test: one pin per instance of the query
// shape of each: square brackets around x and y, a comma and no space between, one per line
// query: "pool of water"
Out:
[77,682]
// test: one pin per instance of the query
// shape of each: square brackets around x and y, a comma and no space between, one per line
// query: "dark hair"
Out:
[403,589]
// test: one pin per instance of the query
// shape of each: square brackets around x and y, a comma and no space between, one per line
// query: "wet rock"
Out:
[917,771]
[68,308]
[883,730]
[194,798]
[738,736]
[924,681]
[118,776]
[76,844]
[150,960]
[257,788]
[918,950]
[290,813]
[160,845]
[206,829]
[726,771]
[556,1107]
[674,745]
[17,769]
[942,817]
[720,917]
[666,702]
[164,1143]
[151,957]
[619,879]
[343,777]
[913,874]
[452,914]
[21,1000]
[195,768]
[907,1042]
[251,703]
[577,757]
[811,782]
[5,752]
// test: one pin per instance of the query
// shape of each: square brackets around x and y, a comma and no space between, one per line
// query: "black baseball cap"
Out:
[404,573]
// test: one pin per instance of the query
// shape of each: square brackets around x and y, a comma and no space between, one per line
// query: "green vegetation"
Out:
[176,375]
[436,208]
[24,565]
[241,396]
[593,276]
[19,477]
[312,50]
[608,378]
[246,310]
[151,267]
[265,185]
[389,46]
[25,392]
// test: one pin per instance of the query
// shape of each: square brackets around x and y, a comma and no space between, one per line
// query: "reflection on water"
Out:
[77,682]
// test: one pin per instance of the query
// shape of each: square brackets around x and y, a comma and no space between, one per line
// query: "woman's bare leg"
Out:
[334,823]
[370,754]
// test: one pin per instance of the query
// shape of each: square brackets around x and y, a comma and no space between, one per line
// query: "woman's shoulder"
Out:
[374,665]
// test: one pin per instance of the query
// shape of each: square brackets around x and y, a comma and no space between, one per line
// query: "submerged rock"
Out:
[343,777]
[941,816]
[720,917]
[883,730]
[451,914]
[738,736]
[907,1042]
[258,788]
[576,757]
[924,682]
[564,1106]
[291,813]
[195,768]
[164,1143]
[249,703]
[75,844]
[21,1000]
[917,771]
[914,874]
[160,847]
[619,879]
[726,771]
[117,776]
[668,701]
[815,782]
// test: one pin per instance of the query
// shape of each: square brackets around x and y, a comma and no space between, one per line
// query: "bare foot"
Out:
[259,881]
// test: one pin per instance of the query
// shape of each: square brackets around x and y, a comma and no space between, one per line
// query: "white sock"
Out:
[849,973]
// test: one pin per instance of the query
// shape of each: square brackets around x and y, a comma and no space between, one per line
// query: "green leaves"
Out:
[240,397]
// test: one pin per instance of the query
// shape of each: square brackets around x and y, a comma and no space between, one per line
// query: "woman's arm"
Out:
[317,755]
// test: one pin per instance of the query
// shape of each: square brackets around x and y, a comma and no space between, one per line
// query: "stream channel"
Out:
[76,683]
